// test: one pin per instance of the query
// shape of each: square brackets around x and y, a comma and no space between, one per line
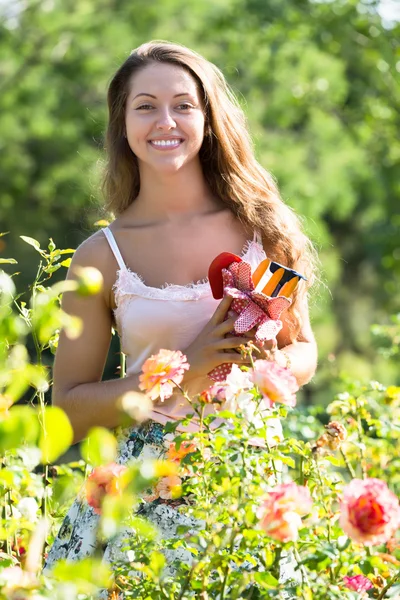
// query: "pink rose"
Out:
[358,583]
[281,510]
[276,384]
[102,481]
[370,512]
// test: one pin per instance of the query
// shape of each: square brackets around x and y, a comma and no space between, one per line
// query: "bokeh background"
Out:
[320,84]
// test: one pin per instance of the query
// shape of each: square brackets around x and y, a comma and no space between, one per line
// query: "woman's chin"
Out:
[167,166]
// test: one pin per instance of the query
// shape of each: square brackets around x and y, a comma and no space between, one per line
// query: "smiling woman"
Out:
[168,118]
[184,185]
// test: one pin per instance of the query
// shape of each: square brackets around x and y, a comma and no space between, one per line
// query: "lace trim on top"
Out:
[129,283]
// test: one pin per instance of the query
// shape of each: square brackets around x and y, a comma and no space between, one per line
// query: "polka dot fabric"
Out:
[253,308]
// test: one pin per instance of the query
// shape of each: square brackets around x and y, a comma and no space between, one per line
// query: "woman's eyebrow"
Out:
[155,97]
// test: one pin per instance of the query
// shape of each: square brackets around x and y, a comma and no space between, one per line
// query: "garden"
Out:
[312,513]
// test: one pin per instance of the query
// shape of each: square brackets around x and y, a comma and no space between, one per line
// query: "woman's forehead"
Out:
[163,78]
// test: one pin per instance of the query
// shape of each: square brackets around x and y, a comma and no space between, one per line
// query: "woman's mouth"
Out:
[170,144]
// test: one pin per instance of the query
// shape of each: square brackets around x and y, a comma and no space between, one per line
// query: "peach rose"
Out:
[276,384]
[369,511]
[280,512]
[161,372]
[169,488]
[175,455]
[103,480]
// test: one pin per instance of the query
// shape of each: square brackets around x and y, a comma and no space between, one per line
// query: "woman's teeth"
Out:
[165,143]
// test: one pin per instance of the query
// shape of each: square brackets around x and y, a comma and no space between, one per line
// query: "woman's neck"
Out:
[173,195]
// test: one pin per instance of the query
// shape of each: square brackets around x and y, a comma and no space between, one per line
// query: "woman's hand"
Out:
[211,348]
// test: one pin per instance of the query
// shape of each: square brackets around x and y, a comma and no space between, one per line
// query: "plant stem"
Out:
[361,442]
[388,586]
[227,568]
[122,364]
[304,577]
[348,464]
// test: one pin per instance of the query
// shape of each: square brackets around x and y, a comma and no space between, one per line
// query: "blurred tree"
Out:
[319,82]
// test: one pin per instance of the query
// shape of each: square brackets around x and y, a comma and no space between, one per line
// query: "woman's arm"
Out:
[301,356]
[79,363]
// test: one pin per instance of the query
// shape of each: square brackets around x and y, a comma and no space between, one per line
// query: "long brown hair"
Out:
[227,157]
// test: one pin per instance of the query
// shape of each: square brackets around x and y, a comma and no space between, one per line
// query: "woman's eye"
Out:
[144,107]
[185,106]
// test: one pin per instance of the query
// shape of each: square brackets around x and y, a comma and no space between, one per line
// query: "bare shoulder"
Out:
[95,252]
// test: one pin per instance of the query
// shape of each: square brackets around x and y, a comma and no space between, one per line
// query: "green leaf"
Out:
[66,262]
[56,434]
[266,580]
[87,574]
[20,426]
[157,563]
[100,447]
[8,261]
[337,462]
[30,241]
[52,268]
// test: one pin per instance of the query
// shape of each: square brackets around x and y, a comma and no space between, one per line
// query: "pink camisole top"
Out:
[149,319]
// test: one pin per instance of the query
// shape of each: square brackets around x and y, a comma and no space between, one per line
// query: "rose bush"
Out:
[321,499]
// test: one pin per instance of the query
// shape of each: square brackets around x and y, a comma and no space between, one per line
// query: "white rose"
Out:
[28,508]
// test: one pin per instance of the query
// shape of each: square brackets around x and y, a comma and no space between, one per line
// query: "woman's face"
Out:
[164,118]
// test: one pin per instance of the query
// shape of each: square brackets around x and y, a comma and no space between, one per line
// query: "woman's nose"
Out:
[165,120]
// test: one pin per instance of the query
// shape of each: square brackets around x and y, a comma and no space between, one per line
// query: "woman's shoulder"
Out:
[95,252]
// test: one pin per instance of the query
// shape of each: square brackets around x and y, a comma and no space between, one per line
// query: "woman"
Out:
[184,185]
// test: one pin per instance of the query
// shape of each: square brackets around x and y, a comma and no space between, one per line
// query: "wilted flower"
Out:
[276,384]
[370,512]
[103,480]
[214,394]
[161,372]
[281,510]
[333,437]
[358,583]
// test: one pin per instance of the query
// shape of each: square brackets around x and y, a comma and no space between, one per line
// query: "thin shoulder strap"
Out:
[257,237]
[113,245]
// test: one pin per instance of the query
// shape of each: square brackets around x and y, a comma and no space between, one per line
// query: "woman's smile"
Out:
[167,143]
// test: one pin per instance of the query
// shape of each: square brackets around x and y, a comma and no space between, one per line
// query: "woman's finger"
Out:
[230,342]
[235,357]
[221,310]
[225,327]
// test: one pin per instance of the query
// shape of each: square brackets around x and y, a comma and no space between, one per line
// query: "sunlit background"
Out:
[319,82]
